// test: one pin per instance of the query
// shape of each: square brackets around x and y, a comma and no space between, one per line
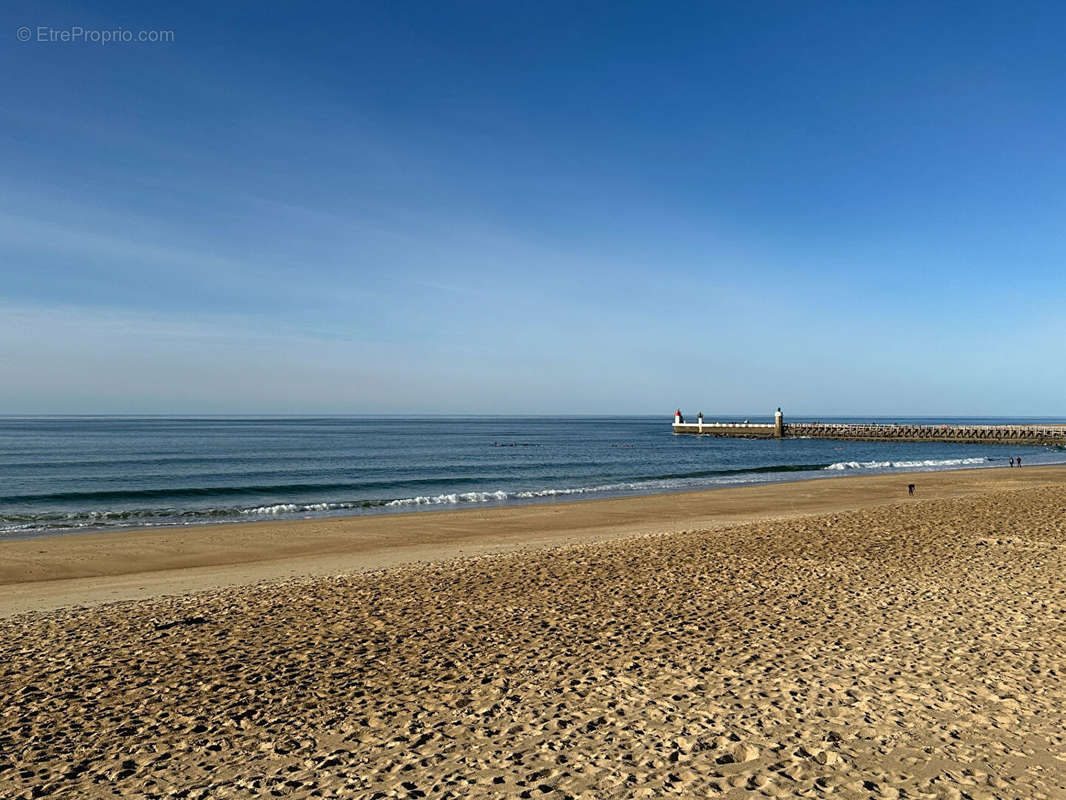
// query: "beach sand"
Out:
[827,638]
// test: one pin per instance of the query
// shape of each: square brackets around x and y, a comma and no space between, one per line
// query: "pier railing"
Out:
[1030,434]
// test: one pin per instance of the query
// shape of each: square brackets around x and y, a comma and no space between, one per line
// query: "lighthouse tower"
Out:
[779,424]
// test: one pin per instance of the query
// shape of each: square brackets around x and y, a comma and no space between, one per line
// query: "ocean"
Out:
[66,474]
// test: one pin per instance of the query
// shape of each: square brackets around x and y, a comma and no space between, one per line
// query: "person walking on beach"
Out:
[1018,461]
[1012,461]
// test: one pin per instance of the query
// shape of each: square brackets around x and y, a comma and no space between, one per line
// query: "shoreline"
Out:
[290,511]
[386,508]
[50,572]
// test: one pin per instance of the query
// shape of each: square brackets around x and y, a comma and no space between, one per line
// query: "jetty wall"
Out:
[876,432]
[740,430]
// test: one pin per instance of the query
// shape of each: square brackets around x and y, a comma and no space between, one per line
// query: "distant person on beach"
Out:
[910,489]
[1018,461]
[1012,461]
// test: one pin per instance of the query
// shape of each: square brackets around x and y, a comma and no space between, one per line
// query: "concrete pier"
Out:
[875,432]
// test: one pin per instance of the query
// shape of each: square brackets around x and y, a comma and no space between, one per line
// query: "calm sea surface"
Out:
[85,473]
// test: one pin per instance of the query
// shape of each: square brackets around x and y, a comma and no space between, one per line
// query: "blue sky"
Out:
[534,208]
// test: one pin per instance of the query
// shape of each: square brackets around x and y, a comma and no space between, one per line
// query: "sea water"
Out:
[87,473]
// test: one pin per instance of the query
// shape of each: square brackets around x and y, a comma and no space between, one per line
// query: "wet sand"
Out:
[830,638]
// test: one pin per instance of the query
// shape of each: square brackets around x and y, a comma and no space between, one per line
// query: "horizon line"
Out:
[444,415]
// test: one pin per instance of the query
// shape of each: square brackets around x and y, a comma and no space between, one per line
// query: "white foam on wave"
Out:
[449,499]
[662,484]
[659,484]
[293,508]
[529,495]
[928,462]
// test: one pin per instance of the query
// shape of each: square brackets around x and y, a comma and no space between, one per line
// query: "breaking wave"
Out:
[925,463]
[450,499]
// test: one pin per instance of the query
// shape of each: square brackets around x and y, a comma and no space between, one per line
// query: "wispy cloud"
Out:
[48,237]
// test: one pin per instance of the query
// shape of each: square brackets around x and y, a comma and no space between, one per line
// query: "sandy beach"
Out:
[825,638]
